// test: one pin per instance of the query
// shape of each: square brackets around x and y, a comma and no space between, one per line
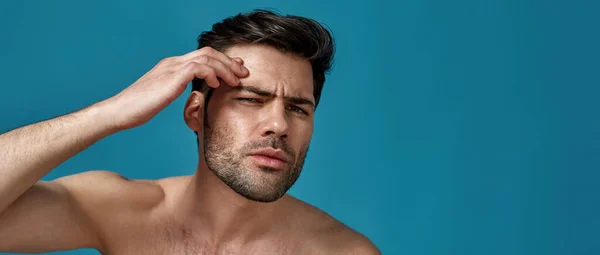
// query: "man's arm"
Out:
[72,212]
[38,216]
[48,216]
[30,152]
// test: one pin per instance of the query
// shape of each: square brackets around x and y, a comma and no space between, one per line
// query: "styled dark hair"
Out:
[301,36]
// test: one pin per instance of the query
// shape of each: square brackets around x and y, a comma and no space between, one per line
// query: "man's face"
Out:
[256,135]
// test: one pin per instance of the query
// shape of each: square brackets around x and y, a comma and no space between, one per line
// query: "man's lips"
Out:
[271,158]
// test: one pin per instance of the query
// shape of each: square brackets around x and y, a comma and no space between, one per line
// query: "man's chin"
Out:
[264,200]
[261,196]
[268,186]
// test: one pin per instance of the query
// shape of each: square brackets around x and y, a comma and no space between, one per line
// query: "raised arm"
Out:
[53,212]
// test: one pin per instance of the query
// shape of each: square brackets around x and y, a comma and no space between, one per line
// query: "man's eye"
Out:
[298,110]
[249,100]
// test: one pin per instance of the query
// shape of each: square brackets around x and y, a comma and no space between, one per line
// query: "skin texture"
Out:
[257,115]
[234,203]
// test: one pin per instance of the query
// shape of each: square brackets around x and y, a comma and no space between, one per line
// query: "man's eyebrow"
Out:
[254,90]
[264,93]
[301,100]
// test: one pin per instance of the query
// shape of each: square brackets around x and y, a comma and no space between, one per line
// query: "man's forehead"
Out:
[271,69]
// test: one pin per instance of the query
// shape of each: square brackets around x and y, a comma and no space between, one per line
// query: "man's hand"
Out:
[30,152]
[150,94]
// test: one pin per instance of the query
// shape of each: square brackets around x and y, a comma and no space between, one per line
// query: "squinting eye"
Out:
[249,100]
[298,110]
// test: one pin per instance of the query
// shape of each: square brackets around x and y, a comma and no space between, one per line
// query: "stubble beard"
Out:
[231,165]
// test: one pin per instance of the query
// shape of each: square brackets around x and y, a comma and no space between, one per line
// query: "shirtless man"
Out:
[256,80]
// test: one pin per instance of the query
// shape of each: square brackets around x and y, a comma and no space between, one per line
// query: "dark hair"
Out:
[301,36]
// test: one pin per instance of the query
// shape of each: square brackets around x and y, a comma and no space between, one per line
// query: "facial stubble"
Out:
[230,164]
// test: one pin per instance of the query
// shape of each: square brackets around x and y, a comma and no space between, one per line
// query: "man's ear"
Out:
[193,113]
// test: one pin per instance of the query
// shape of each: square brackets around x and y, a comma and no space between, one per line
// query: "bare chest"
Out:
[180,243]
[184,248]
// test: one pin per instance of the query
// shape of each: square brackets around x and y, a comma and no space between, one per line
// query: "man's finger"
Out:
[202,71]
[238,60]
[236,66]
[222,71]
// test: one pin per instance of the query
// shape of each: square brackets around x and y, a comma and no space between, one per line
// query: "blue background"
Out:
[445,127]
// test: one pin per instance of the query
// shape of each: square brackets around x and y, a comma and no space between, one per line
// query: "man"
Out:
[256,81]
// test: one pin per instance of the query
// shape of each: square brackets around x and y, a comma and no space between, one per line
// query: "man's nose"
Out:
[276,122]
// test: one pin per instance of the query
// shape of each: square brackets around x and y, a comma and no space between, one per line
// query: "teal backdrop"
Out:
[445,127]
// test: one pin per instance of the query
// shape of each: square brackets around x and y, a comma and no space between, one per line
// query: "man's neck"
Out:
[215,211]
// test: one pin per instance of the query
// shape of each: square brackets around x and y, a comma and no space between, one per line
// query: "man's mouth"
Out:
[271,158]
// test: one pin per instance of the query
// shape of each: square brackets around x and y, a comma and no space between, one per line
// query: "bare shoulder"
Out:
[99,190]
[329,235]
